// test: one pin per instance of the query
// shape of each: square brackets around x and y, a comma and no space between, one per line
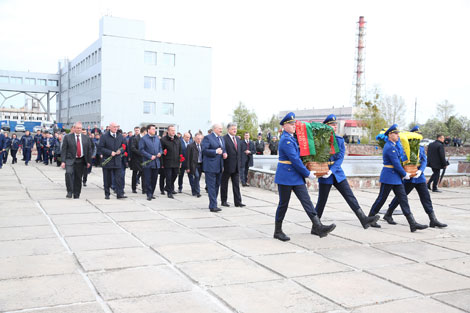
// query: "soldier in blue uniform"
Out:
[336,177]
[27,143]
[419,183]
[290,176]
[392,177]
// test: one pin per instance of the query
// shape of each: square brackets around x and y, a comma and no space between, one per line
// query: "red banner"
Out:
[301,131]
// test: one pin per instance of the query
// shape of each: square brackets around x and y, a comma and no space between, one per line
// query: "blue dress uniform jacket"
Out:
[211,161]
[423,160]
[292,174]
[391,157]
[149,146]
[335,168]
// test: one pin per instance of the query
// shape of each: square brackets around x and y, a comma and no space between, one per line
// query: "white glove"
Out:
[407,176]
[418,173]
[327,174]
[312,175]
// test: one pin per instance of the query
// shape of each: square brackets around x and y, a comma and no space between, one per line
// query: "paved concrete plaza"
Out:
[93,255]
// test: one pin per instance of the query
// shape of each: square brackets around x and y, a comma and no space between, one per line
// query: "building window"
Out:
[150,58]
[167,108]
[169,59]
[41,82]
[149,107]
[17,80]
[168,84]
[4,80]
[150,82]
[30,81]
[52,83]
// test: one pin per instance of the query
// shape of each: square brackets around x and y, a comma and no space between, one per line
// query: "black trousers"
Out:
[108,178]
[436,172]
[423,193]
[73,176]
[170,176]
[135,178]
[13,156]
[235,187]
[162,179]
[343,188]
[284,197]
[244,172]
[150,178]
[398,190]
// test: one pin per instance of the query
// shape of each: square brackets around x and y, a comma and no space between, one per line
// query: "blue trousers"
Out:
[40,152]
[423,193]
[150,177]
[213,184]
[107,180]
[45,155]
[343,188]
[27,155]
[398,190]
[194,181]
[284,197]
[180,179]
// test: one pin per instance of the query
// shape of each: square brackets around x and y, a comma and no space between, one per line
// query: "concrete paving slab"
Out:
[250,220]
[181,302]
[21,221]
[28,293]
[163,238]
[37,265]
[99,242]
[288,228]
[69,230]
[228,233]
[64,219]
[117,258]
[205,222]
[461,244]
[415,305]
[30,247]
[460,266]
[459,299]
[74,308]
[273,296]
[227,271]
[109,208]
[19,211]
[29,232]
[191,252]
[139,282]
[135,216]
[358,234]
[149,226]
[424,278]
[260,246]
[66,209]
[300,264]
[420,251]
[353,289]
[312,242]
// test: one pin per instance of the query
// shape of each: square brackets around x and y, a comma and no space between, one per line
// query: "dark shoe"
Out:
[215,210]
[106,197]
[437,190]
[375,224]
[162,192]
[69,195]
[319,229]
[198,196]
[76,196]
[170,195]
[434,222]
[143,192]
[180,190]
[149,198]
[366,221]
[388,217]
[134,191]
[84,184]
[240,205]
[225,204]
[174,192]
[278,233]
[413,224]
[153,197]
[245,185]
[429,186]
[121,197]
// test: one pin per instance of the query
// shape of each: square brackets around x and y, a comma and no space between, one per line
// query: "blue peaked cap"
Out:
[289,118]
[392,129]
[415,129]
[329,119]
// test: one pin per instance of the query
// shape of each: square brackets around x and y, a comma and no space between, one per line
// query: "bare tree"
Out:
[445,110]
[393,109]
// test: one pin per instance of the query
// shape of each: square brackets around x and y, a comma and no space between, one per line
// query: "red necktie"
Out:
[235,143]
[79,148]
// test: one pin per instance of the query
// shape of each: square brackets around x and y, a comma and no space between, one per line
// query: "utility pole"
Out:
[416,104]
[360,60]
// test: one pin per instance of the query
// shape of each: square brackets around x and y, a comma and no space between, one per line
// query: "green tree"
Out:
[433,127]
[271,125]
[445,110]
[247,120]
[370,115]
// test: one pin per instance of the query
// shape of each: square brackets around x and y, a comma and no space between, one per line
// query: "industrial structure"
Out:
[359,72]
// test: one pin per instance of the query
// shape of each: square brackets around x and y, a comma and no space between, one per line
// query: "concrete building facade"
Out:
[124,78]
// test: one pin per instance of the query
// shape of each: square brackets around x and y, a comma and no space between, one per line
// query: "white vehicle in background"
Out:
[36,128]
[424,142]
[20,128]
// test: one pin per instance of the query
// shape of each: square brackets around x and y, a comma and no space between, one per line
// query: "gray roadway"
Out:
[95,255]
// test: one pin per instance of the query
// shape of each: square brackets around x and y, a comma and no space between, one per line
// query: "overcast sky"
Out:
[271,55]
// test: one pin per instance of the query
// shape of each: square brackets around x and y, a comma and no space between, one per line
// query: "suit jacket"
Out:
[183,150]
[69,148]
[173,152]
[247,158]
[436,155]
[107,145]
[149,146]
[136,155]
[192,154]
[233,162]
[211,161]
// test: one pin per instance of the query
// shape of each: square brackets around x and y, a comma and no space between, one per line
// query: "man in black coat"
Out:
[111,146]
[436,161]
[247,150]
[194,164]
[76,157]
[273,146]
[259,145]
[136,158]
[232,166]
[172,158]
[185,141]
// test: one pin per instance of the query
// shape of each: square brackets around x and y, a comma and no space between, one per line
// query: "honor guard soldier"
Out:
[336,177]
[290,176]
[392,177]
[419,183]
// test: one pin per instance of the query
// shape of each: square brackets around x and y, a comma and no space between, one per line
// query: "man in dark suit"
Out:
[111,146]
[136,158]
[232,165]
[172,158]
[436,161]
[76,157]
[213,152]
[259,145]
[247,150]
[194,164]
[185,141]
[151,150]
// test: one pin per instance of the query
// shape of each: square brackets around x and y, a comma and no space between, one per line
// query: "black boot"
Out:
[278,233]
[413,224]
[374,224]
[388,216]
[434,222]
[366,221]
[319,229]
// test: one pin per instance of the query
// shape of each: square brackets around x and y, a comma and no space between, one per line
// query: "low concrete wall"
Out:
[464,167]
[265,179]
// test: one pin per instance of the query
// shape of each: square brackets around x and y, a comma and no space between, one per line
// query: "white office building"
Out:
[124,78]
